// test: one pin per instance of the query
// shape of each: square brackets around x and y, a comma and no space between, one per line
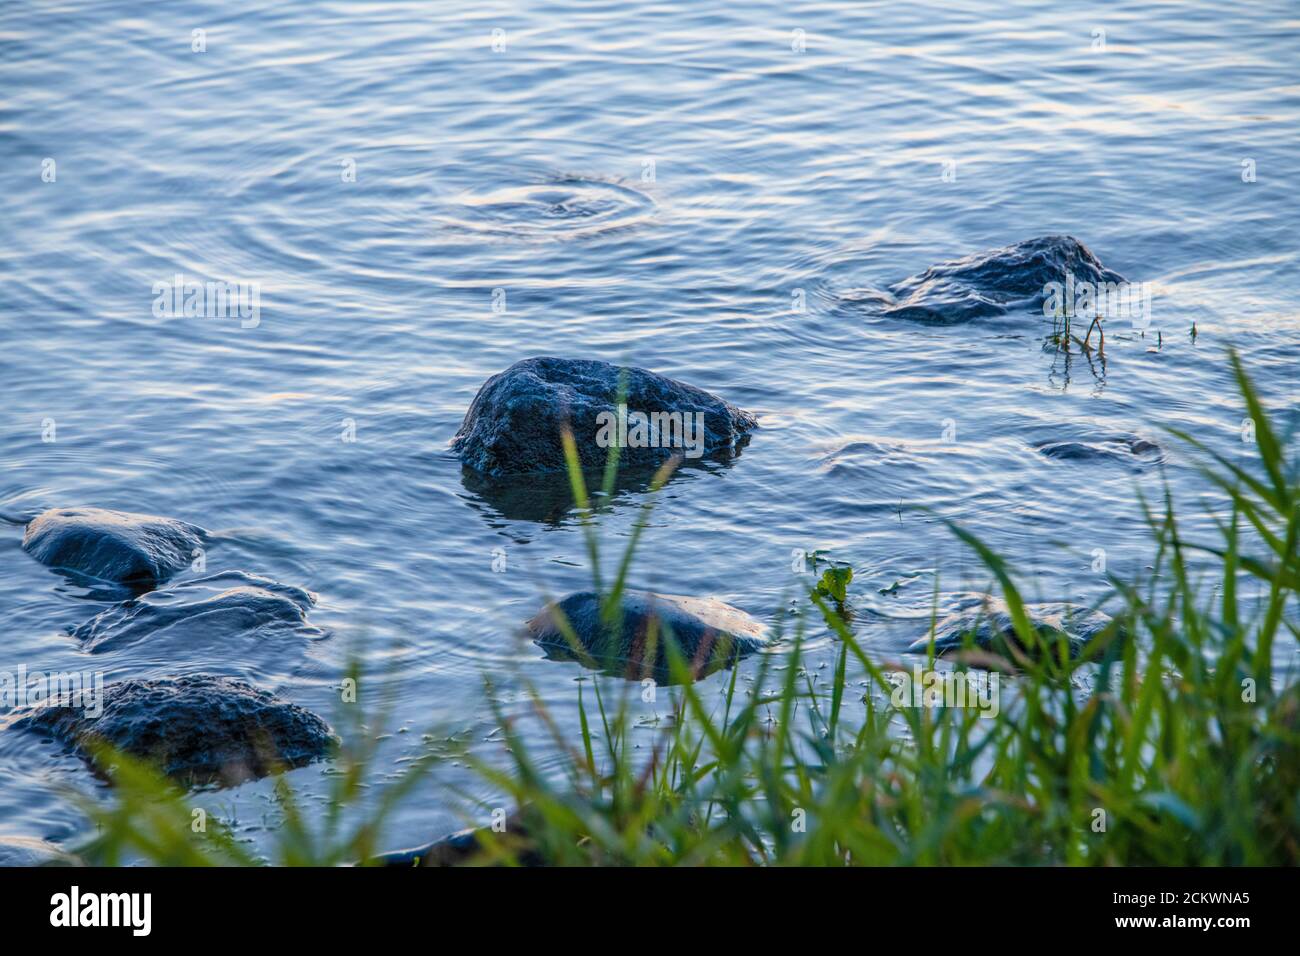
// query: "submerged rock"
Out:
[1125,449]
[466,846]
[211,609]
[514,424]
[990,283]
[547,497]
[986,623]
[138,551]
[197,730]
[28,851]
[708,633]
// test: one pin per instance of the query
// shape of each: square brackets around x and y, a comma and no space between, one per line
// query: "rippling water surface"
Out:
[424,201]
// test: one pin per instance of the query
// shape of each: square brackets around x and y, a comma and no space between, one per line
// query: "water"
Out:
[650,187]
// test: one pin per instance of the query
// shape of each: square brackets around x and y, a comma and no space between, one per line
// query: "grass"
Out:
[1169,742]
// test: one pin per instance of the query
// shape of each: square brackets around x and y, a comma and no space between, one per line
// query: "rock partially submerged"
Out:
[708,633]
[209,610]
[467,846]
[1124,449]
[992,283]
[137,551]
[985,623]
[198,730]
[514,424]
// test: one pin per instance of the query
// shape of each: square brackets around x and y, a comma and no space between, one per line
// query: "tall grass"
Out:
[1167,742]
[1170,741]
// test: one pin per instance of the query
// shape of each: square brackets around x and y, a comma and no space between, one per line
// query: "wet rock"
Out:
[1124,449]
[514,424]
[991,283]
[210,610]
[466,846]
[138,551]
[709,634]
[198,730]
[986,622]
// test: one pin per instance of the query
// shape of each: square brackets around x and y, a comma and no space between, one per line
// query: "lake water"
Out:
[650,186]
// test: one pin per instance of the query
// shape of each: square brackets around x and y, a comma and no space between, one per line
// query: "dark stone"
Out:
[986,623]
[514,424]
[198,730]
[708,633]
[990,283]
[467,846]
[138,551]
[211,609]
[1125,449]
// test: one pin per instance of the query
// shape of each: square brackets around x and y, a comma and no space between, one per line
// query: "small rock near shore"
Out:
[708,633]
[986,623]
[197,730]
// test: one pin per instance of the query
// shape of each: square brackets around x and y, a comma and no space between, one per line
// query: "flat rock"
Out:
[209,610]
[514,424]
[138,551]
[198,730]
[709,634]
[986,622]
[991,283]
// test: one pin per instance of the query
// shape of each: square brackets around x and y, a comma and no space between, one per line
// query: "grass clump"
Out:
[1168,742]
[1171,741]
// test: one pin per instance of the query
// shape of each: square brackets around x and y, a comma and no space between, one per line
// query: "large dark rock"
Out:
[197,730]
[514,424]
[708,633]
[209,610]
[985,622]
[138,551]
[991,283]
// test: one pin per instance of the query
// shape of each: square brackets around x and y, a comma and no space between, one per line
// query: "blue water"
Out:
[649,186]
